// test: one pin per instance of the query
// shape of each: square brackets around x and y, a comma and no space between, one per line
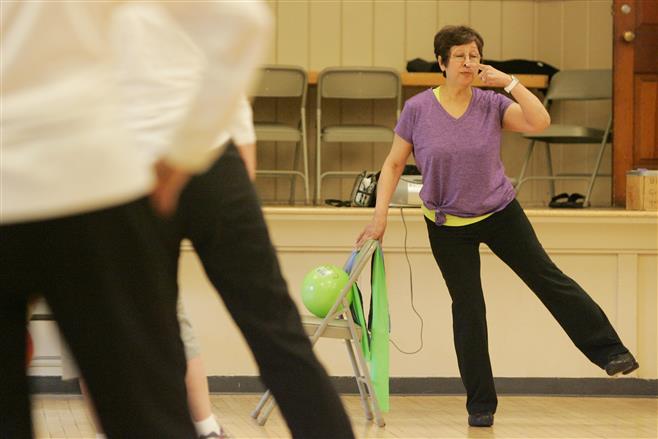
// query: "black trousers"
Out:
[220,213]
[510,236]
[101,275]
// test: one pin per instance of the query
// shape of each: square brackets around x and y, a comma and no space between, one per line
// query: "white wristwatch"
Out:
[512,84]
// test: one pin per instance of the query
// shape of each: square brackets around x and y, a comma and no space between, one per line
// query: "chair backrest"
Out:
[580,85]
[359,83]
[279,81]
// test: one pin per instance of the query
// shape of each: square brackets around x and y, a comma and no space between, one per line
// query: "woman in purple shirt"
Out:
[454,132]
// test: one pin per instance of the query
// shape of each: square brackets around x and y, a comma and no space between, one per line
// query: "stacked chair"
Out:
[572,85]
[278,82]
[353,83]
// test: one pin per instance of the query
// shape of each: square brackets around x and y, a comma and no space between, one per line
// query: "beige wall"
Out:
[614,257]
[611,254]
[570,34]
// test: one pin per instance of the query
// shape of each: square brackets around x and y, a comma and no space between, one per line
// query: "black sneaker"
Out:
[624,363]
[481,419]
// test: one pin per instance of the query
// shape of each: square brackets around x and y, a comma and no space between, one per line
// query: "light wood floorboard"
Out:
[411,417]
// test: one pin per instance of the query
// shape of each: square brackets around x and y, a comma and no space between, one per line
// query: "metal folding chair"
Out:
[339,324]
[353,83]
[278,81]
[572,85]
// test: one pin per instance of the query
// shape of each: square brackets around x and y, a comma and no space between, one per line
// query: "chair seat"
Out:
[357,133]
[335,329]
[567,134]
[277,132]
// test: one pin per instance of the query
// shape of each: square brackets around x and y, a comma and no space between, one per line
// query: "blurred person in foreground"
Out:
[220,214]
[77,224]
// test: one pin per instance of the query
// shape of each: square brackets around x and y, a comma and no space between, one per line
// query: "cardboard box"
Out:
[642,190]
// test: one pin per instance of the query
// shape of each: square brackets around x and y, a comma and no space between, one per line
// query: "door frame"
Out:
[623,60]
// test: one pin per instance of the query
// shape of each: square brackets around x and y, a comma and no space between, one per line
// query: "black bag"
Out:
[420,65]
[364,191]
[411,170]
[518,66]
[523,66]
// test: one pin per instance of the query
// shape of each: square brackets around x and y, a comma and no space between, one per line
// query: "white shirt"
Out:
[241,128]
[63,146]
[157,87]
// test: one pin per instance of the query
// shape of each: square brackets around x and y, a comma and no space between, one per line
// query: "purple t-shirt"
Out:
[459,159]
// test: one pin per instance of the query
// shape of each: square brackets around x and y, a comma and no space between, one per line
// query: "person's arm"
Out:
[528,114]
[388,180]
[232,36]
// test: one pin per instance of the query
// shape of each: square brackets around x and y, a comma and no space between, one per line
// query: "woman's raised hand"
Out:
[491,77]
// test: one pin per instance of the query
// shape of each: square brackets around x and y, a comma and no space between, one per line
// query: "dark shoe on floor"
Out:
[481,420]
[569,201]
[576,200]
[622,363]
[559,200]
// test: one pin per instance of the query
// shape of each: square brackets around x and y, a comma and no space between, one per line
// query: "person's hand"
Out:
[491,77]
[170,183]
[374,230]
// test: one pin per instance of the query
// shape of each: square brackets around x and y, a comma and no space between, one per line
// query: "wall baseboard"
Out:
[416,386]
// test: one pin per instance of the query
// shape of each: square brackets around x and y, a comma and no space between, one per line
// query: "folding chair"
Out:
[576,85]
[339,324]
[278,81]
[371,83]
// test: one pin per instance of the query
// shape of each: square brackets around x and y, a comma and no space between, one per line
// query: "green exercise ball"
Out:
[322,287]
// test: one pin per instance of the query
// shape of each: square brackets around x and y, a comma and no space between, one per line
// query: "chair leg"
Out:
[549,166]
[305,155]
[592,180]
[318,190]
[259,407]
[524,167]
[379,419]
[271,403]
[597,165]
[318,162]
[359,377]
[307,197]
[293,178]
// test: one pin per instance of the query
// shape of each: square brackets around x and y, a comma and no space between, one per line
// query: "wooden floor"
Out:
[412,417]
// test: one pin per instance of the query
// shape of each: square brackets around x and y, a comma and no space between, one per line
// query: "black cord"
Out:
[411,289]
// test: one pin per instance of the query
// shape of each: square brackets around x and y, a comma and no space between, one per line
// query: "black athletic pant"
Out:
[102,276]
[220,213]
[510,236]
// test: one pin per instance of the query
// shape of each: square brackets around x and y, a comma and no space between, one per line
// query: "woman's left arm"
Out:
[528,113]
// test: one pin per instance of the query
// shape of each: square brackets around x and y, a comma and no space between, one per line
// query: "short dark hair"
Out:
[450,36]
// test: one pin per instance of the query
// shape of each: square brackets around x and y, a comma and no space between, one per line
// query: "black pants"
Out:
[100,273]
[220,213]
[510,236]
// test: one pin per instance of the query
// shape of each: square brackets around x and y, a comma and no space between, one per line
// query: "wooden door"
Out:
[635,95]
